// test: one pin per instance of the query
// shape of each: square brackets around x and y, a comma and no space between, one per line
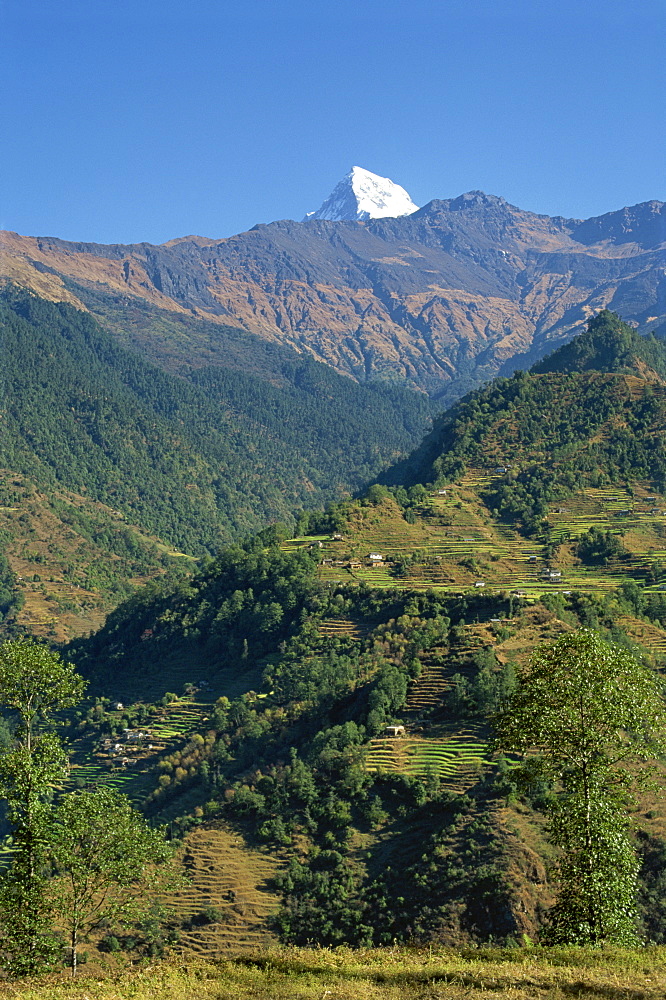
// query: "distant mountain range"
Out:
[442,298]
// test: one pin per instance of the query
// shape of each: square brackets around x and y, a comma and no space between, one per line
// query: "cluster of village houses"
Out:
[135,739]
[377,559]
[129,740]
[372,559]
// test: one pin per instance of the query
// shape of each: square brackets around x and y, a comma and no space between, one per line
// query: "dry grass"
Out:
[379,974]
[236,880]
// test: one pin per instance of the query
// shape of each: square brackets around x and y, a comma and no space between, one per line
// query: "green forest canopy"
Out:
[196,461]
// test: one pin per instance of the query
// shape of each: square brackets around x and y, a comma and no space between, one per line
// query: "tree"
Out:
[26,779]
[583,712]
[597,546]
[108,863]
[34,683]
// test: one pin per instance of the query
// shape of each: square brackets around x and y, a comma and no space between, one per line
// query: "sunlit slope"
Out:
[456,544]
[444,298]
[519,474]
[591,414]
[370,651]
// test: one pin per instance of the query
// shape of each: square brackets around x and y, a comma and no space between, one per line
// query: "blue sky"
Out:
[146,120]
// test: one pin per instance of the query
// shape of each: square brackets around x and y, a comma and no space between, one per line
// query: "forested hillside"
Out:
[609,345]
[268,682]
[312,714]
[289,682]
[68,559]
[197,461]
[592,413]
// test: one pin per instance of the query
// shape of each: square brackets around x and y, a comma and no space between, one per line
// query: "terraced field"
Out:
[457,757]
[339,627]
[235,881]
[448,530]
[426,694]
[304,542]
[129,768]
[607,507]
[650,636]
[68,578]
[454,544]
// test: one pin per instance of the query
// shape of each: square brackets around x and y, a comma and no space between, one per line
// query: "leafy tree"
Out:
[34,683]
[26,780]
[493,685]
[585,710]
[108,863]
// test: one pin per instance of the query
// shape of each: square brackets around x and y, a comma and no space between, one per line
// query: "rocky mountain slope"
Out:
[445,297]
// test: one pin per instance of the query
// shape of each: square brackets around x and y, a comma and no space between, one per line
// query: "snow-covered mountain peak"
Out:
[363,195]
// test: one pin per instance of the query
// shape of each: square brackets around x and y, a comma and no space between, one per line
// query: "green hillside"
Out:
[290,680]
[312,714]
[563,425]
[197,461]
[68,559]
[608,345]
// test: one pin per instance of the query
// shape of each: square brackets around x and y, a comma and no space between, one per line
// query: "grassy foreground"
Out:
[378,974]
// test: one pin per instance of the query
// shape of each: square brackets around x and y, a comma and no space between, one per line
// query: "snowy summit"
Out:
[362,195]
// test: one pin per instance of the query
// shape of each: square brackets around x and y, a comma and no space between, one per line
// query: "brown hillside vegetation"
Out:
[232,879]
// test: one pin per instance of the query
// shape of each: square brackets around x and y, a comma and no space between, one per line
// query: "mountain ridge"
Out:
[443,298]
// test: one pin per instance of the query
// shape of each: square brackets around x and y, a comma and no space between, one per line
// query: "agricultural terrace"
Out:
[126,757]
[457,757]
[226,907]
[72,558]
[454,544]
[456,752]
